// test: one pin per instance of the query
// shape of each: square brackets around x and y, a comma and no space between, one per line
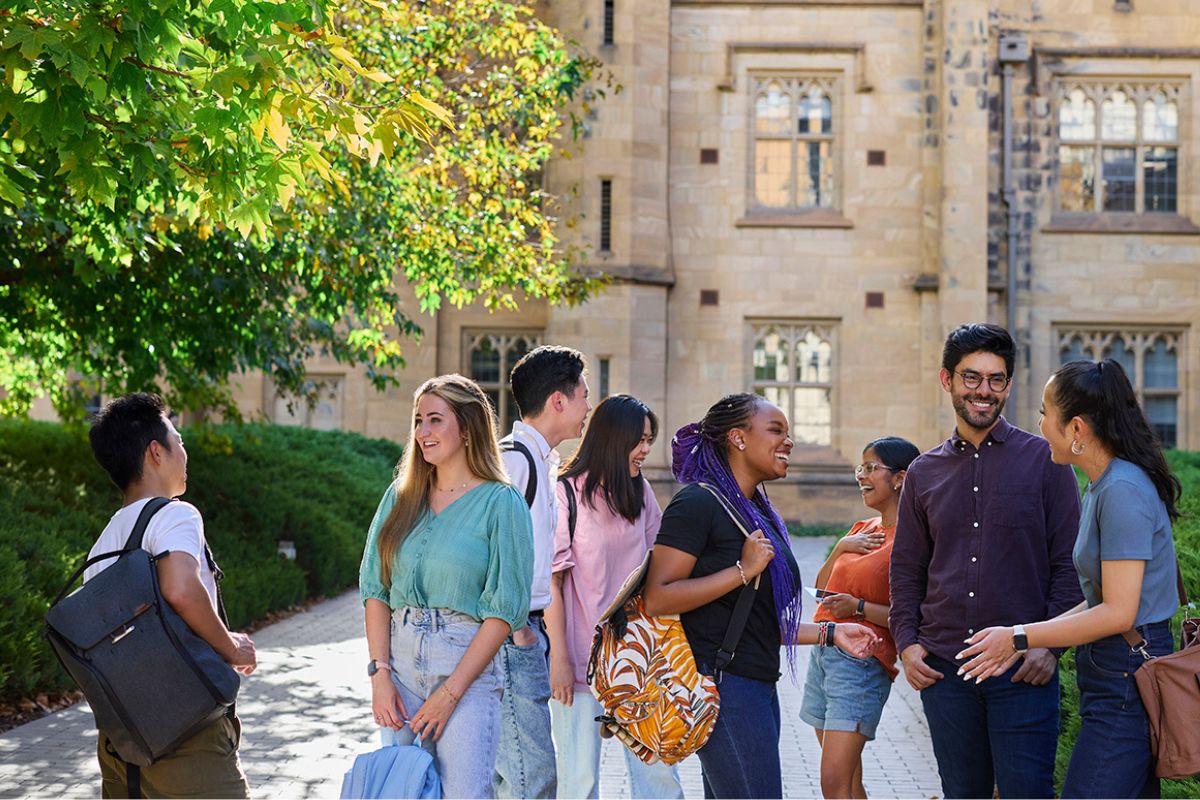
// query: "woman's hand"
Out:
[431,718]
[841,605]
[861,542]
[562,679]
[991,653]
[386,704]
[857,640]
[757,552]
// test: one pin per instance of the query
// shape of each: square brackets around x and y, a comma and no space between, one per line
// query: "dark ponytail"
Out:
[1100,393]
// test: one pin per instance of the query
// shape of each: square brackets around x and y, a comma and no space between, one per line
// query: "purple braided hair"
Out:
[698,454]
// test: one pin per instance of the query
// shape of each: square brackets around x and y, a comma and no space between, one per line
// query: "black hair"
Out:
[976,337]
[543,371]
[616,427]
[893,452]
[1100,393]
[122,431]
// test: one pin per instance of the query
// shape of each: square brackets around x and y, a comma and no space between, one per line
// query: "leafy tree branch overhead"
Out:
[191,189]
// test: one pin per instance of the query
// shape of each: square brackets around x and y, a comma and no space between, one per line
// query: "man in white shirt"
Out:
[552,396]
[139,448]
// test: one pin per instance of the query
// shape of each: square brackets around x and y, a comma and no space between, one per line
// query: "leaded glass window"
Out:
[792,366]
[1118,147]
[490,356]
[793,138]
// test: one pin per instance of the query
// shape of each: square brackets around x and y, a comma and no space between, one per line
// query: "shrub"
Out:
[318,489]
[1186,466]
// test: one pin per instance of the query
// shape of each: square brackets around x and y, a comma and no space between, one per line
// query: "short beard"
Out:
[965,413]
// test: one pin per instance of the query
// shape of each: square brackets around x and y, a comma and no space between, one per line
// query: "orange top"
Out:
[865,575]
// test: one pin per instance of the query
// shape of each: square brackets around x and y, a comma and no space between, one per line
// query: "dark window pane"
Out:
[485,362]
[1163,414]
[1074,351]
[1160,167]
[609,14]
[1120,167]
[1118,352]
[494,398]
[511,412]
[606,215]
[1158,367]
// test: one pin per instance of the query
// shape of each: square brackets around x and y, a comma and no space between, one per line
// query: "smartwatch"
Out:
[1020,640]
[862,608]
[374,666]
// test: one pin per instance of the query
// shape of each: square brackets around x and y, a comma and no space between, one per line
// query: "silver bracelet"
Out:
[743,572]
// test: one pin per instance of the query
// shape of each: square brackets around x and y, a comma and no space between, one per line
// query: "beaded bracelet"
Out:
[742,572]
[452,695]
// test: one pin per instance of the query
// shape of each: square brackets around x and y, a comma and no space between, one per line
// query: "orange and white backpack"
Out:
[644,675]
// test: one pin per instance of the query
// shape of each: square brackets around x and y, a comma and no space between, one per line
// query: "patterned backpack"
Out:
[644,676]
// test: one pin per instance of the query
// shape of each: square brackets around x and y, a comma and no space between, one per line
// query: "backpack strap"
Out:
[745,601]
[572,508]
[133,542]
[531,485]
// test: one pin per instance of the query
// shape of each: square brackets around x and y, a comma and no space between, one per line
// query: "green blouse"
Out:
[476,557]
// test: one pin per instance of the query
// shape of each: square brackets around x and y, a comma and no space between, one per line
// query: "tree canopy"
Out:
[191,189]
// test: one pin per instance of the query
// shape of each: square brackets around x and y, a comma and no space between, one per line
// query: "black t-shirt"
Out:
[696,523]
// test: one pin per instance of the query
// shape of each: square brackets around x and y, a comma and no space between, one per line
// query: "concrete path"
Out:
[306,713]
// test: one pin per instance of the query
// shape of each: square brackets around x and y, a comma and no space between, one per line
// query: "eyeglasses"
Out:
[869,467]
[973,380]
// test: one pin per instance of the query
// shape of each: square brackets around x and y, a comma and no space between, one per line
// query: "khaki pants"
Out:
[206,765]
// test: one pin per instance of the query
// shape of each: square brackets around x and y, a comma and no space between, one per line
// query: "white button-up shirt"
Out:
[545,504]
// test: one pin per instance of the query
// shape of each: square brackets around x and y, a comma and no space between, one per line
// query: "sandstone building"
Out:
[801,197]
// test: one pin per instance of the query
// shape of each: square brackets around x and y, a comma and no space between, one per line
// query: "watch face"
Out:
[372,667]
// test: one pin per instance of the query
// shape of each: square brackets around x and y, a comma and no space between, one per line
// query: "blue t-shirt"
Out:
[1123,519]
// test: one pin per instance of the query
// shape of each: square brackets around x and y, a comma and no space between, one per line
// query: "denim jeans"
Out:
[577,745]
[994,732]
[1112,753]
[525,764]
[741,757]
[427,645]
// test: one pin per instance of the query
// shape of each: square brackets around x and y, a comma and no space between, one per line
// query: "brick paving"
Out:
[306,714]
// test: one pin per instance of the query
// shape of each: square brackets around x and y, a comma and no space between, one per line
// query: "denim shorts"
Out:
[844,693]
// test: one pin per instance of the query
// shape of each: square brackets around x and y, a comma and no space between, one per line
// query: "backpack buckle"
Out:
[128,630]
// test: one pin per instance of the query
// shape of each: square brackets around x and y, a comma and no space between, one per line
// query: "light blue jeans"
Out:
[427,644]
[525,763]
[577,744]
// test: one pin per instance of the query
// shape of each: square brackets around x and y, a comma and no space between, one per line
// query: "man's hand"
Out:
[841,605]
[1038,667]
[244,657]
[919,674]
[562,679]
[524,637]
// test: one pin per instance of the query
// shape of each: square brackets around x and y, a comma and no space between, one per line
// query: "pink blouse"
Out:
[607,547]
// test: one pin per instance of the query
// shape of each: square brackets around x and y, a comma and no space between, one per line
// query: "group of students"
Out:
[979,569]
[487,566]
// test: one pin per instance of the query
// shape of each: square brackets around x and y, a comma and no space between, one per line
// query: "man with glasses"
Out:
[984,537]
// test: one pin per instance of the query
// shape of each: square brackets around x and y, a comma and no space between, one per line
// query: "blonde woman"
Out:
[445,578]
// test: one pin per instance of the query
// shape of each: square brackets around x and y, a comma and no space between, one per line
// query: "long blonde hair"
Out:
[415,476]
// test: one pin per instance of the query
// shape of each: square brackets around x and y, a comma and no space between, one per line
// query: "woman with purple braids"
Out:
[701,562]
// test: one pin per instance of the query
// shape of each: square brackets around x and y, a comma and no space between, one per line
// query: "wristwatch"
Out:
[1020,640]
[862,608]
[374,666]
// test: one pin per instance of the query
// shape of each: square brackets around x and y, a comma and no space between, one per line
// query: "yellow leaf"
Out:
[346,57]
[287,190]
[433,108]
[278,128]
[258,126]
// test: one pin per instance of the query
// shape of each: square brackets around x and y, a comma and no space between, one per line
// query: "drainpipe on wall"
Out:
[1014,49]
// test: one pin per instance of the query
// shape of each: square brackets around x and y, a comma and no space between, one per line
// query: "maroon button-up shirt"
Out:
[983,537]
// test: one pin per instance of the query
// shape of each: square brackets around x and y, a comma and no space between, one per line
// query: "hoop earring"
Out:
[1077,448]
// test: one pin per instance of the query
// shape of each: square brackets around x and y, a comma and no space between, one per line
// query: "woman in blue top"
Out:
[445,578]
[1125,557]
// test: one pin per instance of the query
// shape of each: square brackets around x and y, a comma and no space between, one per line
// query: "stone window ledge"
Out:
[806,218]
[1121,223]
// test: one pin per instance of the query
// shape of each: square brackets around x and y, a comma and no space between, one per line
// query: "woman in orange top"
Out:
[844,695]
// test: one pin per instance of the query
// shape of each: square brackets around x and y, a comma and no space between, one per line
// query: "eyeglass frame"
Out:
[861,468]
[981,378]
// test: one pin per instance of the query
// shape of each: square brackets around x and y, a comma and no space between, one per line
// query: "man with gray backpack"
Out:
[139,448]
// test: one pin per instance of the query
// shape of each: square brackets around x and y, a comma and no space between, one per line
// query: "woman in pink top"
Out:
[616,522]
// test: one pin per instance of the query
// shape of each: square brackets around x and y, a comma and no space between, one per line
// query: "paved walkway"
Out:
[306,713]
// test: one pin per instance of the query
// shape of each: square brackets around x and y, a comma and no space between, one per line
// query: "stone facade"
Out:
[910,236]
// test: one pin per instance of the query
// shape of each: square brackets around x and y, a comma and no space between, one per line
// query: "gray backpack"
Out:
[151,682]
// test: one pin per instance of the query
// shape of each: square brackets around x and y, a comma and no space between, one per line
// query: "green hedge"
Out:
[1187,546]
[261,484]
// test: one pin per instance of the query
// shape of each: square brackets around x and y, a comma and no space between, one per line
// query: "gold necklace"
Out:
[453,488]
